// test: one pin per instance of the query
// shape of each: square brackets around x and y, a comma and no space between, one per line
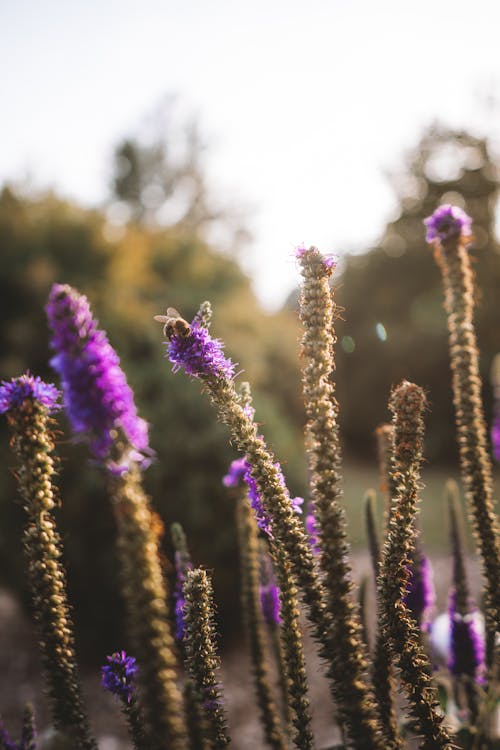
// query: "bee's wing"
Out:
[160,318]
[172,312]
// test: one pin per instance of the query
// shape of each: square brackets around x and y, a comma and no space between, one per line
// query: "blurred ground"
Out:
[20,670]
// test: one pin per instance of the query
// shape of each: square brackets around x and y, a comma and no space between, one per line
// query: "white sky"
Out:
[304,102]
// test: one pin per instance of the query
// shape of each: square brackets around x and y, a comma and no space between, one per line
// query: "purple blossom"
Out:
[269,593]
[179,601]
[118,675]
[13,393]
[256,502]
[312,528]
[300,250]
[447,222]
[420,595]
[97,397]
[495,436]
[240,470]
[5,741]
[467,646]
[199,354]
[236,473]
[270,603]
[330,261]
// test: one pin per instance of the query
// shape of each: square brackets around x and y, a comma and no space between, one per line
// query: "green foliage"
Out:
[397,285]
[128,276]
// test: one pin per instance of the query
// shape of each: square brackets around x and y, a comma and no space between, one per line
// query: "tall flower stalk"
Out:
[400,630]
[467,647]
[449,233]
[100,405]
[280,602]
[249,566]
[355,702]
[28,403]
[201,655]
[202,357]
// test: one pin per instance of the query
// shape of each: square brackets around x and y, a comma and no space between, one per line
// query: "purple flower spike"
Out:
[118,675]
[13,393]
[446,223]
[270,603]
[97,397]
[420,595]
[467,646]
[199,354]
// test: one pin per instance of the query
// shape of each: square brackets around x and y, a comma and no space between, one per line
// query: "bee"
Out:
[174,325]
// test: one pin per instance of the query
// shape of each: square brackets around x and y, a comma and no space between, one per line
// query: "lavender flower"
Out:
[179,601]
[270,603]
[97,397]
[420,592]
[329,260]
[199,354]
[13,393]
[269,593]
[241,470]
[495,437]
[312,528]
[5,741]
[467,646]
[236,472]
[446,223]
[118,675]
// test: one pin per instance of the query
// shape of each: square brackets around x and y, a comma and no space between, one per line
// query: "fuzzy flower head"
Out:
[199,354]
[98,400]
[328,260]
[420,595]
[118,675]
[15,392]
[447,222]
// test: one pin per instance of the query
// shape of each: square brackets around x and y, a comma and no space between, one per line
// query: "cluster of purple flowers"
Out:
[119,674]
[240,470]
[14,393]
[199,354]
[447,222]
[98,400]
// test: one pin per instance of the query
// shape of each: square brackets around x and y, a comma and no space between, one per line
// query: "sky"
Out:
[305,106]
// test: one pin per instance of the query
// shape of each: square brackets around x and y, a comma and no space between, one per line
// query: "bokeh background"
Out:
[158,154]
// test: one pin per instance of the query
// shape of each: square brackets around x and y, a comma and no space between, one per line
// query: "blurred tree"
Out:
[159,179]
[394,320]
[129,272]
